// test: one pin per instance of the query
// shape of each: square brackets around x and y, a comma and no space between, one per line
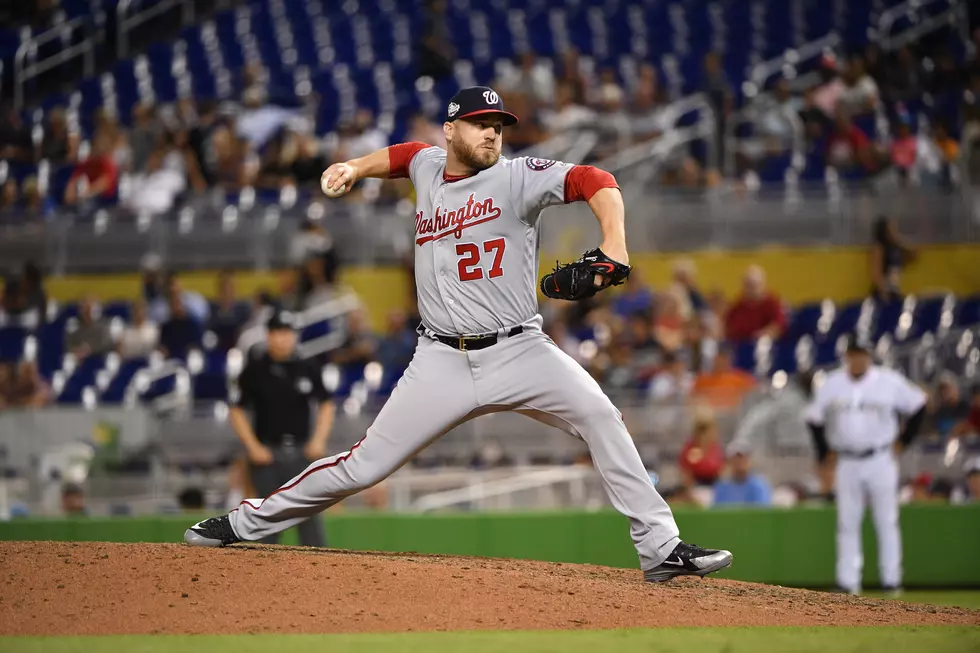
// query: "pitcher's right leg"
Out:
[434,395]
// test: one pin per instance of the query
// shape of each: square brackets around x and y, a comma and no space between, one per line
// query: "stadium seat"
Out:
[12,339]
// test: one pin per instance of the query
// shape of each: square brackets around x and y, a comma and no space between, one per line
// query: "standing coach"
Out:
[855,419]
[279,387]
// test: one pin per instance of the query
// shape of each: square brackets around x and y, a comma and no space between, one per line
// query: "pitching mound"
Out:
[67,588]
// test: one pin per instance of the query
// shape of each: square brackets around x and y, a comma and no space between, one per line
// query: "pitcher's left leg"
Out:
[883,490]
[531,375]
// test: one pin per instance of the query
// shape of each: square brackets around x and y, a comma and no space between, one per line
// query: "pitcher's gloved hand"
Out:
[578,279]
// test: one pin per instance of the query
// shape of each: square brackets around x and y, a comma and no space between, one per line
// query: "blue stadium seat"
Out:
[115,392]
[744,357]
[968,313]
[12,340]
[803,321]
[886,318]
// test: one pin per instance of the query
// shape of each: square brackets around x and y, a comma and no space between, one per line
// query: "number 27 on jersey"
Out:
[471,259]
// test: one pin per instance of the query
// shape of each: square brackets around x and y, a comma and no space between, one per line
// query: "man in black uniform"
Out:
[278,387]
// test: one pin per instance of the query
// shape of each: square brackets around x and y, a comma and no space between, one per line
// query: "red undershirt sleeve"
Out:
[400,157]
[582,182]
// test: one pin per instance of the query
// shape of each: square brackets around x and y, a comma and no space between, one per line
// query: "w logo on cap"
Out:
[491,97]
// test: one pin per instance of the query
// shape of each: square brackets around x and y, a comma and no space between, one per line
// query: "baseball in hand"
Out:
[337,180]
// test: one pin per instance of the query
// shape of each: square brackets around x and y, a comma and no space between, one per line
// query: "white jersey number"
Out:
[469,261]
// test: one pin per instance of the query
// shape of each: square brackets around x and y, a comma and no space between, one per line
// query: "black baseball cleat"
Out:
[215,531]
[688,560]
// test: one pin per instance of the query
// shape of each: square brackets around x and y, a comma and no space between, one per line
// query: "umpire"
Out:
[278,387]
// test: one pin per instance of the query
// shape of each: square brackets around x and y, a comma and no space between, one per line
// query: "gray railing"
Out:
[209,233]
[28,67]
[127,18]
[956,14]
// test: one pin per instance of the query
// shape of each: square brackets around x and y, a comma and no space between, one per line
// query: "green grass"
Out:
[959,598]
[668,640]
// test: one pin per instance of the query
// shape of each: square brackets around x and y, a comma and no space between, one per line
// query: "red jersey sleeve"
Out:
[582,182]
[400,157]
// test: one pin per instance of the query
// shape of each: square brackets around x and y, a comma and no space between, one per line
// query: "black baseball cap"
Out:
[858,342]
[477,101]
[281,321]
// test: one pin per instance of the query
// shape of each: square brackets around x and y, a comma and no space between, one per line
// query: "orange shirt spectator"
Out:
[724,386]
[757,312]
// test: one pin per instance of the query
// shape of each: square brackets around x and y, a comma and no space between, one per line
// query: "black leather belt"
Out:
[472,343]
[866,453]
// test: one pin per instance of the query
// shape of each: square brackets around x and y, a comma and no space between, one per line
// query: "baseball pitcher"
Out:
[481,348]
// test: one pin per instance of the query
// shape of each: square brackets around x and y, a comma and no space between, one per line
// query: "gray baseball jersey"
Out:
[476,267]
[476,238]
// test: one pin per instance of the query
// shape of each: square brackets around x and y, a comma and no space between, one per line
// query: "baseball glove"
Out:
[576,280]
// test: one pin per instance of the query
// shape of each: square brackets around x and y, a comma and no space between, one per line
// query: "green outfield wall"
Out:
[785,547]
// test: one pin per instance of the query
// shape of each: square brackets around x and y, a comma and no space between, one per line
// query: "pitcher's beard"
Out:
[475,158]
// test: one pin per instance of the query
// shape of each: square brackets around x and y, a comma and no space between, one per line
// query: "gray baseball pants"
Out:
[444,387]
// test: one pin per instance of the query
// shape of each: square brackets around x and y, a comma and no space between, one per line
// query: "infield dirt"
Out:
[68,588]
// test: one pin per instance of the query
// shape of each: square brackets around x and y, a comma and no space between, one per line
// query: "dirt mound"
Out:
[68,588]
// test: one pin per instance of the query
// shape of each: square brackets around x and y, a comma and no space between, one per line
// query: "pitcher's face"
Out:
[476,142]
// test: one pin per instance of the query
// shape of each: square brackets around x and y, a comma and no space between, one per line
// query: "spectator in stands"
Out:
[228,315]
[849,149]
[947,408]
[317,286]
[144,136]
[360,137]
[99,172]
[194,303]
[635,298]
[34,204]
[568,115]
[91,335]
[396,348]
[860,93]
[725,385]
[360,346]
[685,276]
[889,255]
[742,486]
[571,74]
[715,84]
[170,170]
[527,132]
[970,425]
[756,313]
[73,500]
[904,147]
[779,116]
[674,382]
[28,390]
[423,130]
[141,336]
[6,384]
[59,144]
[436,51]
[946,151]
[828,92]
[9,197]
[614,123]
[35,300]
[181,332]
[969,490]
[530,77]
[902,79]
[15,136]
[672,321]
[644,108]
[702,458]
